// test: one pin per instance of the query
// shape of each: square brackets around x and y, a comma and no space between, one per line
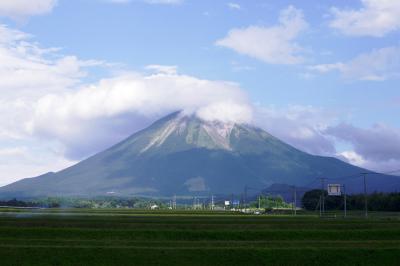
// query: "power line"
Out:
[370,173]
[322,210]
[386,173]
[322,180]
[295,199]
[365,194]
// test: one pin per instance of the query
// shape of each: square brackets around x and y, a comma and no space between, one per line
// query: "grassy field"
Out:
[128,237]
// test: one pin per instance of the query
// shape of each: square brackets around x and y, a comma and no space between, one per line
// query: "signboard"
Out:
[235,202]
[334,190]
[226,202]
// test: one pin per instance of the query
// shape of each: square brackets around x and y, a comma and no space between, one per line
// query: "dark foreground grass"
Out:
[126,237]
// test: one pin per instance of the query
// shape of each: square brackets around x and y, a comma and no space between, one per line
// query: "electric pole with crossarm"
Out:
[365,194]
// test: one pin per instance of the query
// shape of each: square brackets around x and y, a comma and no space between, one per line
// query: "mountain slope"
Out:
[184,155]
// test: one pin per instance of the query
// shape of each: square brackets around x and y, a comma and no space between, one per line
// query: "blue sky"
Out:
[321,75]
[138,34]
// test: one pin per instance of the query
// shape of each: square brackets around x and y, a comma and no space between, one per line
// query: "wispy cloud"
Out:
[377,147]
[161,2]
[165,2]
[273,45]
[119,1]
[235,6]
[17,9]
[301,126]
[376,18]
[377,65]
[164,69]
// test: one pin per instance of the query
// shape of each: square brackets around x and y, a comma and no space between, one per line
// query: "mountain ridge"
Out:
[181,154]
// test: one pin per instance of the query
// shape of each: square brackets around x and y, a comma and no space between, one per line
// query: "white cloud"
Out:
[375,18]
[171,70]
[43,94]
[237,67]
[11,153]
[27,73]
[196,184]
[378,65]
[275,44]
[161,2]
[9,37]
[301,126]
[325,68]
[234,6]
[164,2]
[376,148]
[145,94]
[352,157]
[378,143]
[227,111]
[28,70]
[119,1]
[386,166]
[25,8]
[22,162]
[132,96]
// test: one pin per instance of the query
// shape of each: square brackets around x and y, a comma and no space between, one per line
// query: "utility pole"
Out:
[174,203]
[365,194]
[345,201]
[295,201]
[212,202]
[320,206]
[245,197]
[322,196]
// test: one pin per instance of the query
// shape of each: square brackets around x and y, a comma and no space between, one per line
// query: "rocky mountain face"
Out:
[185,155]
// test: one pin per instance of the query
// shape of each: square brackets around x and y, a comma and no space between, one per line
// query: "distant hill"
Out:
[185,155]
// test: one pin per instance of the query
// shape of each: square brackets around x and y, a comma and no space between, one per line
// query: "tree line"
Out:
[270,202]
[66,202]
[377,201]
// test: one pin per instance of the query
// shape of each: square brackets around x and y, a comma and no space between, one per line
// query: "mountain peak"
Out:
[193,130]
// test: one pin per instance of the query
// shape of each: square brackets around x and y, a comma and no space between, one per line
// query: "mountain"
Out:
[185,155]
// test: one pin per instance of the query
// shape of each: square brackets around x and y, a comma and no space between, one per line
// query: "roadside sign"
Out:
[227,202]
[334,190]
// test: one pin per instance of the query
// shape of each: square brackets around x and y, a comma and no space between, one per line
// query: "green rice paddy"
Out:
[131,237]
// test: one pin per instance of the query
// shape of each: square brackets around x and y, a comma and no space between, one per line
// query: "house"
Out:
[154,207]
